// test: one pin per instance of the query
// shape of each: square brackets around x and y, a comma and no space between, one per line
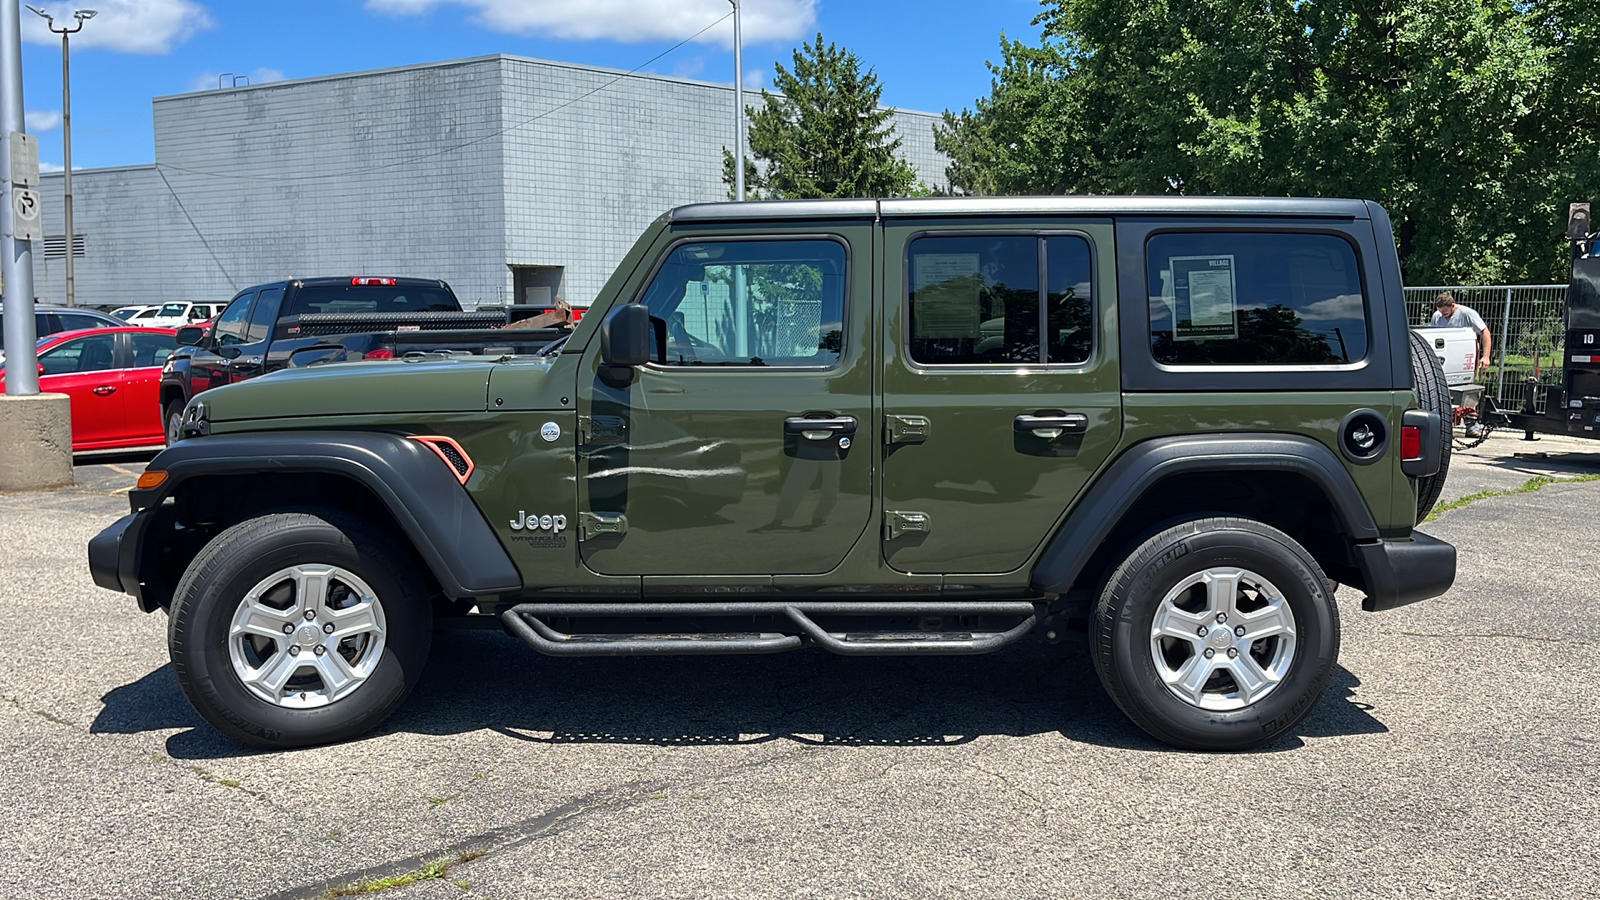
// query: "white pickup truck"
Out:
[1457,349]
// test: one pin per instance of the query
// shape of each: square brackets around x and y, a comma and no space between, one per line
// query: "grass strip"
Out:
[436,869]
[1530,486]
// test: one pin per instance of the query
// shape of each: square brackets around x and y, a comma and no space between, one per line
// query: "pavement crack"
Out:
[1003,779]
[44,714]
[496,840]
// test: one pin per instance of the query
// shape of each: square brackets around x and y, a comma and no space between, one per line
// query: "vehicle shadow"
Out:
[489,681]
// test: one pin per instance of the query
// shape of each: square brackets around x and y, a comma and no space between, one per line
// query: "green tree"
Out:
[1472,121]
[823,134]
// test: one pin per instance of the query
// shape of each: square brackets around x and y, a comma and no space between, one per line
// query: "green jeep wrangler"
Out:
[936,426]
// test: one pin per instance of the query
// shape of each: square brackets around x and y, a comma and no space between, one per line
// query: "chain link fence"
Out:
[1528,322]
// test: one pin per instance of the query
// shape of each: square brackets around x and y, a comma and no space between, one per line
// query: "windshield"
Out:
[364,298]
[172,310]
[125,313]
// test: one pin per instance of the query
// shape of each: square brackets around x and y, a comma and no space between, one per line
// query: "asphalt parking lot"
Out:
[1454,756]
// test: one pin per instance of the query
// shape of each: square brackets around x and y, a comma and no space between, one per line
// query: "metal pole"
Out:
[16,256]
[738,105]
[66,151]
[1505,336]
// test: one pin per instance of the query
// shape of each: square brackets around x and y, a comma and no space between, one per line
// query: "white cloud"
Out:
[38,120]
[52,167]
[626,20]
[211,81]
[150,27]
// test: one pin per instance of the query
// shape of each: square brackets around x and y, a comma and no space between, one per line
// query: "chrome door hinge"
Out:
[897,523]
[592,525]
[906,429]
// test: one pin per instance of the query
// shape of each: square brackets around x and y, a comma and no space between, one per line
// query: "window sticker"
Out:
[948,288]
[1203,292]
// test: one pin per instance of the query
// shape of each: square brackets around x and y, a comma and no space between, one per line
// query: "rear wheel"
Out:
[1433,393]
[1216,634]
[292,629]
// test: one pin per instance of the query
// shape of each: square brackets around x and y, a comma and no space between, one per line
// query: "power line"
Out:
[198,233]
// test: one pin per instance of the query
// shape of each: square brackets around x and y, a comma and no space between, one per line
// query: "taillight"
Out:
[456,458]
[1410,442]
[384,282]
[380,353]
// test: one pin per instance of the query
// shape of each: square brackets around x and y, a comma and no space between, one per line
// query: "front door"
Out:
[745,447]
[1001,390]
[85,370]
[211,363]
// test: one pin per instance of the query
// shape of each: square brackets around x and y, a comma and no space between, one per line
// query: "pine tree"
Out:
[823,135]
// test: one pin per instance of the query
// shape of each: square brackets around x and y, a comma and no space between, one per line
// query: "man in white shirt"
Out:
[1450,314]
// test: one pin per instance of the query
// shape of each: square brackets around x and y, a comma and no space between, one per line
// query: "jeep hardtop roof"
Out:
[1302,207]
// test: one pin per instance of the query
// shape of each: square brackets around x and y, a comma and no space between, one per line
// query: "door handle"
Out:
[820,429]
[245,363]
[104,390]
[1051,427]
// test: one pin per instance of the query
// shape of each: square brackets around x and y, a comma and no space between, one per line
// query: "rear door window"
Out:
[1000,300]
[151,349]
[77,321]
[1255,299]
[265,313]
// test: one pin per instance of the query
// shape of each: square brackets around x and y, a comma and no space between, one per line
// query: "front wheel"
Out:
[292,629]
[1216,634]
[173,417]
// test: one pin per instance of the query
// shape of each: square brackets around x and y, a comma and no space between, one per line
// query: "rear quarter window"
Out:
[1255,299]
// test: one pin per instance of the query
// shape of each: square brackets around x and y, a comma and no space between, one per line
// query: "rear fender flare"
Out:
[431,507]
[1144,465]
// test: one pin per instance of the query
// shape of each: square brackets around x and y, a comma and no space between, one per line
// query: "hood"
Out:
[359,388]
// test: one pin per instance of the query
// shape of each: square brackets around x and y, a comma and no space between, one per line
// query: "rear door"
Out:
[146,352]
[734,453]
[1001,390]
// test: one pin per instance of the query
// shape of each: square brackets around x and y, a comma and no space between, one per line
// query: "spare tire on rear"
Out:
[1432,393]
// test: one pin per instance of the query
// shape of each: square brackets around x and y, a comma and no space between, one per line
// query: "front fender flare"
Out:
[430,506]
[1143,465]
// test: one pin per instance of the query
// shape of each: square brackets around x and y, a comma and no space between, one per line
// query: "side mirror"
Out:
[191,335]
[625,336]
[41,368]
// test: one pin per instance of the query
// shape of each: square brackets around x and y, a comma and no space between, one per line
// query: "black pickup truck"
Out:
[306,321]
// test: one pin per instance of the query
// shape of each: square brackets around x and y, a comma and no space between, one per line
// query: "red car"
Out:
[113,376]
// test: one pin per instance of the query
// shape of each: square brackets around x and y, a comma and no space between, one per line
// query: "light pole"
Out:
[82,16]
[738,107]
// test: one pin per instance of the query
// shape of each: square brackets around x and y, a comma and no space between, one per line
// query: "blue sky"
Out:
[929,55]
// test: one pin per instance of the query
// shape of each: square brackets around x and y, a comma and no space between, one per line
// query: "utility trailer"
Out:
[1571,405]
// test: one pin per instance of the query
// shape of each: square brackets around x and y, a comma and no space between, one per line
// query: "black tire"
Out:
[1433,393]
[213,589]
[1125,653]
[172,418]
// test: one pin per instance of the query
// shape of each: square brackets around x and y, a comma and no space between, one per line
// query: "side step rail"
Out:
[526,621]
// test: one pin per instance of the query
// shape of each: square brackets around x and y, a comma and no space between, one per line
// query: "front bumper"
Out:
[113,558]
[1402,572]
